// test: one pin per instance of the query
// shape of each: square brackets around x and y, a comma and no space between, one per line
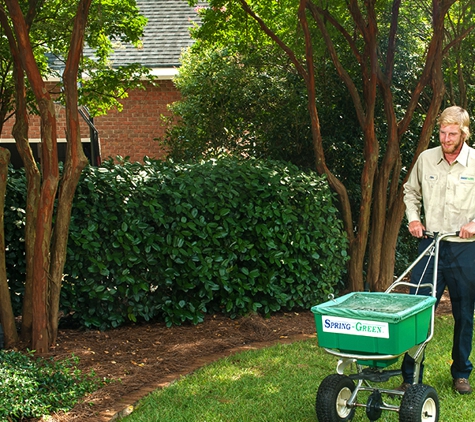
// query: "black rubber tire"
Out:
[420,403]
[332,395]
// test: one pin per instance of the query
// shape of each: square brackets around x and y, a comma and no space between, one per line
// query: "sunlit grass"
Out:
[280,384]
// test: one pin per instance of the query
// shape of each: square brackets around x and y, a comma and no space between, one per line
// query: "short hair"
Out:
[456,115]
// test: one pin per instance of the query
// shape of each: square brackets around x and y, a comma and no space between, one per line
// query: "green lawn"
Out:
[280,384]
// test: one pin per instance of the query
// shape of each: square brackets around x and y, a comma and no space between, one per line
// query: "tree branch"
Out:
[300,68]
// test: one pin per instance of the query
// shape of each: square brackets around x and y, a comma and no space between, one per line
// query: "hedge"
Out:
[174,242]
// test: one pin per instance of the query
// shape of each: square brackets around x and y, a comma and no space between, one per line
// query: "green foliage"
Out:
[110,23]
[175,242]
[236,80]
[225,24]
[459,64]
[35,387]
[251,104]
[180,241]
[104,87]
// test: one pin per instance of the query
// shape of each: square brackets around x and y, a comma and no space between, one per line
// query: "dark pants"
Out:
[456,271]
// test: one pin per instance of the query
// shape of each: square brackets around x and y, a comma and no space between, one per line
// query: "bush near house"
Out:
[174,242]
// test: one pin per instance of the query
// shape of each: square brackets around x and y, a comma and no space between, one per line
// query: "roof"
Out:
[166,34]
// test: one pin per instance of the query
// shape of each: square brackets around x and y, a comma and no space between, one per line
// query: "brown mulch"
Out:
[141,358]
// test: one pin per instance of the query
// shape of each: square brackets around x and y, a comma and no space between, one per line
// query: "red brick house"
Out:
[132,131]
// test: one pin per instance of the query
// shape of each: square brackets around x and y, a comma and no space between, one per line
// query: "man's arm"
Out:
[413,202]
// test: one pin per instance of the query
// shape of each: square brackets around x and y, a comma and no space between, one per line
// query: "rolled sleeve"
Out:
[413,196]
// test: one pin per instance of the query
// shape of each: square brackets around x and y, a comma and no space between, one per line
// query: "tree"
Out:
[46,242]
[363,31]
[240,103]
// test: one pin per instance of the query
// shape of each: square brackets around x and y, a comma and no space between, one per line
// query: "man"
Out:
[441,186]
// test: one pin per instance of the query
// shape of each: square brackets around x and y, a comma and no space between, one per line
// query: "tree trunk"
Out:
[307,73]
[33,177]
[48,253]
[50,171]
[7,318]
[364,107]
[33,182]
[381,243]
[388,246]
[74,164]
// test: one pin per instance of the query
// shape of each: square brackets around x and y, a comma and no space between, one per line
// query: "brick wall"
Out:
[132,131]
[128,133]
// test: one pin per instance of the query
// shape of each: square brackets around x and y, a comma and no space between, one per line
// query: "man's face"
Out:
[451,139]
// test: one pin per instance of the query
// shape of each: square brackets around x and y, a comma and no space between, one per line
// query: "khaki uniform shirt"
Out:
[446,192]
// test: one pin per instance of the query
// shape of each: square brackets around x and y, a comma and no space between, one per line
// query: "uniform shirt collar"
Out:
[462,157]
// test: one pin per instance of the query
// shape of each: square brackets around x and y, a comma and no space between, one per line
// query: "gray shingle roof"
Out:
[165,36]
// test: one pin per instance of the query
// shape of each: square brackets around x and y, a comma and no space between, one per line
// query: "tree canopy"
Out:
[392,60]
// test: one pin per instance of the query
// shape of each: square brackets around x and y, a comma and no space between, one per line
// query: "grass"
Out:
[279,384]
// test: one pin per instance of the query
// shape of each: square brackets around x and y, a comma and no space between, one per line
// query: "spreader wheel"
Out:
[420,403]
[332,396]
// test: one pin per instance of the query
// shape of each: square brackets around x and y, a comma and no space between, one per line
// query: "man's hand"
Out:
[467,231]
[416,228]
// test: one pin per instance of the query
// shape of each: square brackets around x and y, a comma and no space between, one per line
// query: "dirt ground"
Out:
[141,358]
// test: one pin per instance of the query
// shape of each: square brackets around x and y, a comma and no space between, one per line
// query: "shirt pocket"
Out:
[465,193]
[431,189]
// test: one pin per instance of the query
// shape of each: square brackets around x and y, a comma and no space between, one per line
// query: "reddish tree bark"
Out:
[33,176]
[74,164]
[48,247]
[50,180]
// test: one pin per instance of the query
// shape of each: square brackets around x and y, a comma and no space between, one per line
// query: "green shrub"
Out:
[180,241]
[176,242]
[35,387]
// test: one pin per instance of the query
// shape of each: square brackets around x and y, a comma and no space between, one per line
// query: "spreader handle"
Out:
[435,234]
